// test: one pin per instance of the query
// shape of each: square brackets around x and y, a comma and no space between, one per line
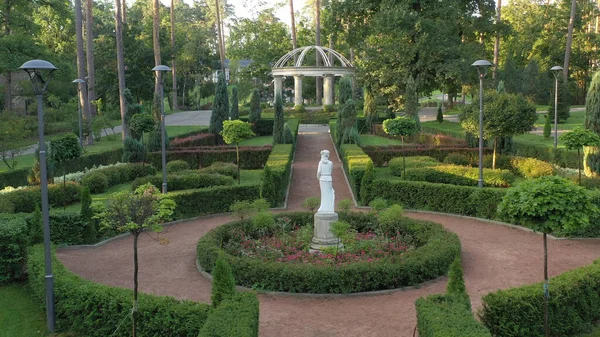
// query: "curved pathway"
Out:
[494,257]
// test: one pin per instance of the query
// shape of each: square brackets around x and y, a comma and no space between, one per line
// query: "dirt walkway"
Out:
[494,257]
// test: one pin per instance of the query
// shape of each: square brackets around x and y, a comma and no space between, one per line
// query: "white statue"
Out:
[324,176]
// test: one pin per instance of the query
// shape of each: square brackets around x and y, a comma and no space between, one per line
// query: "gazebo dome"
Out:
[296,62]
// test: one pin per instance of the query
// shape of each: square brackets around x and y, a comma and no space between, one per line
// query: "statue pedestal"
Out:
[322,237]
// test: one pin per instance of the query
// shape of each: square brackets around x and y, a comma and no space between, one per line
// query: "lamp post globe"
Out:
[40,72]
[482,67]
[556,70]
[157,71]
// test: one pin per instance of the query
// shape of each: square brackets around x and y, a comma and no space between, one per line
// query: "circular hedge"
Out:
[435,249]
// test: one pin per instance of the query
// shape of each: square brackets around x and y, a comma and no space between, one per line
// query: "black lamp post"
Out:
[482,66]
[79,82]
[556,70]
[158,69]
[39,72]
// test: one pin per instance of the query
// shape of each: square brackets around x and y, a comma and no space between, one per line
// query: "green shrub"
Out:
[447,316]
[133,151]
[226,169]
[235,316]
[458,159]
[561,157]
[197,139]
[77,300]
[6,206]
[311,203]
[223,285]
[460,175]
[192,203]
[355,163]
[435,250]
[275,178]
[456,282]
[573,307]
[86,214]
[24,200]
[383,154]
[288,137]
[96,181]
[189,180]
[251,157]
[474,201]
[124,173]
[365,184]
[14,178]
[396,165]
[531,168]
[67,228]
[177,165]
[14,239]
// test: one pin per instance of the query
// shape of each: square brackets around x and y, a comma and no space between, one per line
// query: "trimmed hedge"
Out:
[234,317]
[14,178]
[460,175]
[186,180]
[226,169]
[561,157]
[200,139]
[436,249]
[573,308]
[275,177]
[383,154]
[14,239]
[447,316]
[251,157]
[355,163]
[463,200]
[261,127]
[24,200]
[95,310]
[531,168]
[192,203]
[121,174]
[89,160]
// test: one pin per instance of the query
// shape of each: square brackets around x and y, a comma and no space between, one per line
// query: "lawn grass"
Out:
[100,197]
[577,119]
[373,140]
[258,141]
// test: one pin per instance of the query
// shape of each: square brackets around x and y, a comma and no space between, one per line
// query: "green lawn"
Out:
[577,118]
[258,141]
[366,140]
[20,316]
[100,197]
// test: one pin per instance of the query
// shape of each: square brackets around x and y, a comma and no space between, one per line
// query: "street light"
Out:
[158,69]
[481,66]
[39,72]
[78,82]
[556,70]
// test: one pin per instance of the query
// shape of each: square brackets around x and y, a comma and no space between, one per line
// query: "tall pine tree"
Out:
[235,112]
[591,154]
[278,122]
[220,110]
[255,109]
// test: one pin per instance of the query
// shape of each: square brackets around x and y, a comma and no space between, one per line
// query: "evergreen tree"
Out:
[591,154]
[500,89]
[288,137]
[547,127]
[345,90]
[531,82]
[278,122]
[255,109]
[223,284]
[134,151]
[370,110]
[36,229]
[564,101]
[235,112]
[349,133]
[440,115]
[456,282]
[220,110]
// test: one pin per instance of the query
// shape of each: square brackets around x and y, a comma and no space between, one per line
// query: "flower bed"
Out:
[431,251]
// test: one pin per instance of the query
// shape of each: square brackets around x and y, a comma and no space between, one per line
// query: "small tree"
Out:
[440,115]
[546,205]
[135,212]
[223,285]
[456,282]
[504,115]
[547,127]
[255,109]
[220,109]
[278,122]
[133,151]
[63,149]
[139,124]
[235,108]
[233,133]
[401,126]
[577,139]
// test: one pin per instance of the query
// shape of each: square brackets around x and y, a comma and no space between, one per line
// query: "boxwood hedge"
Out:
[185,180]
[275,178]
[435,252]
[203,201]
[447,316]
[235,316]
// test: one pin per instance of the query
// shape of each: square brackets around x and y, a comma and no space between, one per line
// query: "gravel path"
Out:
[494,257]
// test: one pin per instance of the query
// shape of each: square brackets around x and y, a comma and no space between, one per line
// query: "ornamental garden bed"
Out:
[275,257]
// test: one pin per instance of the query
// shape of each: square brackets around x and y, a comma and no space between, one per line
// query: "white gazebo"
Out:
[293,64]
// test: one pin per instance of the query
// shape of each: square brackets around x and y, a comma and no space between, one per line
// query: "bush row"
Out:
[24,200]
[573,308]
[186,180]
[191,203]
[235,316]
[251,157]
[561,157]
[115,175]
[529,168]
[435,252]
[88,160]
[383,154]
[463,200]
[200,139]
[460,175]
[275,177]
[262,127]
[447,316]
[91,309]
[397,164]
[355,163]
[14,178]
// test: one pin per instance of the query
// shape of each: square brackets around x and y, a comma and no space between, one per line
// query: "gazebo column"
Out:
[298,90]
[278,86]
[328,89]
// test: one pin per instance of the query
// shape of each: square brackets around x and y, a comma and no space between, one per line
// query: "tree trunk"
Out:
[319,79]
[579,166]
[89,35]
[174,106]
[135,284]
[497,43]
[83,96]
[124,12]
[494,155]
[546,290]
[569,40]
[293,22]
[220,33]
[156,47]
[121,68]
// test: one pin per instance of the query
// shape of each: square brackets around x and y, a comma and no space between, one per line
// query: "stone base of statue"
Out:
[322,237]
